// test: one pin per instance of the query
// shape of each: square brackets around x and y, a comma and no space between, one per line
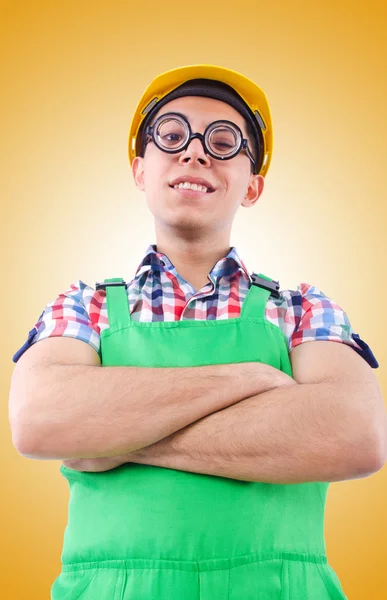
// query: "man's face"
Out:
[232,182]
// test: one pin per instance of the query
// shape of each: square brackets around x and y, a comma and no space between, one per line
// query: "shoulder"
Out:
[74,312]
[311,315]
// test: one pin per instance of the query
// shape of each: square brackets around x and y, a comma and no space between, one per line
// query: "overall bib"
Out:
[143,532]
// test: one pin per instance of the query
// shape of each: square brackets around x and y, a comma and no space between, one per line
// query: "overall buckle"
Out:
[268,284]
[102,286]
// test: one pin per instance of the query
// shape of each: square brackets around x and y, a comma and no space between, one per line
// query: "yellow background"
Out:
[71,76]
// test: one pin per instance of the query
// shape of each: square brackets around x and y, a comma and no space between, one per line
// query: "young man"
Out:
[199,458]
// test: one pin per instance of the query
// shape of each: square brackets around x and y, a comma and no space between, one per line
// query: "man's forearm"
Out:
[293,434]
[79,411]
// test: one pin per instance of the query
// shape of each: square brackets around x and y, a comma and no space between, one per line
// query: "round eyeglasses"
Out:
[222,140]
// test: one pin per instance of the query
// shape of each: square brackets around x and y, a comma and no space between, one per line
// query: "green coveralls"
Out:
[143,532]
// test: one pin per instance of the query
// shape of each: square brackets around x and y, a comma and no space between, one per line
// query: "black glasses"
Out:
[222,140]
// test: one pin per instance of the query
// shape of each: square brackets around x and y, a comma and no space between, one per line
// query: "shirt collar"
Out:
[226,266]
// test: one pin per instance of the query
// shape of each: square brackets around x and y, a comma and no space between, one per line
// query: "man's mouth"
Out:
[195,187]
[191,182]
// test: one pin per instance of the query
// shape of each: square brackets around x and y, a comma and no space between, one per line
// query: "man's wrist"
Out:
[285,379]
[263,378]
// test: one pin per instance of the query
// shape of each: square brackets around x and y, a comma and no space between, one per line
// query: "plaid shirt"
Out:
[159,293]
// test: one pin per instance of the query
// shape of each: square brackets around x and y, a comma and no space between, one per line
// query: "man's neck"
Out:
[193,264]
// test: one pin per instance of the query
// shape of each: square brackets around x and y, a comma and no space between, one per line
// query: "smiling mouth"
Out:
[188,189]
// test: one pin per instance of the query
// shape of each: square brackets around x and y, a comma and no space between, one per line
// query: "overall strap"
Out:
[262,287]
[117,302]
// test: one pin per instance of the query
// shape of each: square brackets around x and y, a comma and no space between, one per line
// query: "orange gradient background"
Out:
[72,74]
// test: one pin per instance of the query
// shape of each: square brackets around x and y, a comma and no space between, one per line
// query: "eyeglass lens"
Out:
[172,133]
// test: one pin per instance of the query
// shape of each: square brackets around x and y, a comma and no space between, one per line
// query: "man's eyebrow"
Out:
[183,115]
[167,113]
[174,113]
[187,117]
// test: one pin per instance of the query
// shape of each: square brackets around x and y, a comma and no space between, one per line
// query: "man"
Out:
[199,458]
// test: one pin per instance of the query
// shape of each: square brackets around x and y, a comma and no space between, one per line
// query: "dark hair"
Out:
[252,143]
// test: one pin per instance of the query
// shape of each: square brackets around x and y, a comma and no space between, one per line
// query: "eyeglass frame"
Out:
[149,130]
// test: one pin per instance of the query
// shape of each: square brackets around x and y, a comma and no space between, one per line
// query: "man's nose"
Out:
[195,151]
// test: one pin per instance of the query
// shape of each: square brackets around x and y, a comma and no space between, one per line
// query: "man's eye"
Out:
[172,137]
[223,145]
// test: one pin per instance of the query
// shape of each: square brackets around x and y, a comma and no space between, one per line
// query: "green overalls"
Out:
[143,532]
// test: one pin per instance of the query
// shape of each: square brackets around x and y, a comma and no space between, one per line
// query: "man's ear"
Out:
[254,190]
[138,172]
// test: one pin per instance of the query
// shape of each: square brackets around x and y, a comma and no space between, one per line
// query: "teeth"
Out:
[191,186]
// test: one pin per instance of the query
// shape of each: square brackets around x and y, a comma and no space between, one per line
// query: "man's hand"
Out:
[95,465]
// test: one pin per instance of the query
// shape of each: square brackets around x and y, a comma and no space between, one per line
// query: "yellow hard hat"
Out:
[254,104]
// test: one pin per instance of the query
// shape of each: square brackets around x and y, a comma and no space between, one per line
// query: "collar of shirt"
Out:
[224,267]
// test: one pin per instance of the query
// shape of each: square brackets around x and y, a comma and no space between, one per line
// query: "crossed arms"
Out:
[327,424]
